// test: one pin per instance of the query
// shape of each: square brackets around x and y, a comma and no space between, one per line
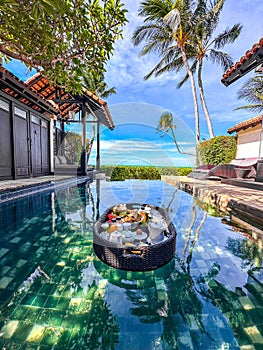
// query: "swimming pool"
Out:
[56,294]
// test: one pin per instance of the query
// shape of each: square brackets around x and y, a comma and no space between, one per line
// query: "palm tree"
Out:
[204,46]
[166,31]
[94,82]
[252,91]
[165,125]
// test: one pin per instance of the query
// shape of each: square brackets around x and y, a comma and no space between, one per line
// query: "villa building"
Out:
[32,119]
[249,132]
[249,144]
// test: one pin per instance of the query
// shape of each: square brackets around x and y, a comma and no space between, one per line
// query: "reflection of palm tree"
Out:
[165,125]
[102,328]
[173,301]
[194,240]
[246,250]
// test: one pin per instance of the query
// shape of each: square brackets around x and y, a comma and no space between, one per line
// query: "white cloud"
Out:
[126,68]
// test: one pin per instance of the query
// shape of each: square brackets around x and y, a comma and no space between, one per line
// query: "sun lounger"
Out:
[238,168]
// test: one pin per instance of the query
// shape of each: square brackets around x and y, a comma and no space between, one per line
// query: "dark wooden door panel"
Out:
[6,154]
[45,148]
[21,147]
[36,149]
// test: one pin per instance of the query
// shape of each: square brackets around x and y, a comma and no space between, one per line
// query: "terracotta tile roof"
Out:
[252,59]
[13,86]
[99,107]
[246,124]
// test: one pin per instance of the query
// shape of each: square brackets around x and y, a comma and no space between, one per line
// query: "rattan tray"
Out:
[143,258]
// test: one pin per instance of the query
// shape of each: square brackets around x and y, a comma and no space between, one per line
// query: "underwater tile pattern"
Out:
[55,293]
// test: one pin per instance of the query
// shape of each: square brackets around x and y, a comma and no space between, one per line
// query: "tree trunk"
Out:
[176,144]
[202,97]
[197,128]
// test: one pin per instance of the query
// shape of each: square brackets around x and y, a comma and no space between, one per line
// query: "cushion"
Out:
[62,159]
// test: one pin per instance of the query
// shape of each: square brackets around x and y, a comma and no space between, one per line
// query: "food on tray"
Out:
[129,244]
[119,208]
[139,232]
[133,216]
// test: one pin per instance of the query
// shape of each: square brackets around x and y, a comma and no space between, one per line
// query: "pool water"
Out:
[56,294]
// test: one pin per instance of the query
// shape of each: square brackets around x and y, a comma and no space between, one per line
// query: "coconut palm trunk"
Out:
[203,102]
[193,87]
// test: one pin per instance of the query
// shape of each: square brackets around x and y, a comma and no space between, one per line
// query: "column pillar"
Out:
[83,162]
[98,147]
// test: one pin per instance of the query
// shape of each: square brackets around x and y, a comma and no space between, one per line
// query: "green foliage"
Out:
[64,39]
[142,172]
[174,171]
[219,150]
[184,171]
[252,91]
[121,173]
[72,147]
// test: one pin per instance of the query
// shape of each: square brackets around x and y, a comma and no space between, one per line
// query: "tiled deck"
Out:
[12,189]
[243,200]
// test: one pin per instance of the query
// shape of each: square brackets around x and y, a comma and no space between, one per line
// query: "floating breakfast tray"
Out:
[135,258]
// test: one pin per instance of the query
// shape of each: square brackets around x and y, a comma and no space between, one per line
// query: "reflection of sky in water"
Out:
[209,296]
[134,141]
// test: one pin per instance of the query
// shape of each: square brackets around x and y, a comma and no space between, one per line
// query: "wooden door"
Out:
[45,150]
[21,143]
[36,157]
[6,149]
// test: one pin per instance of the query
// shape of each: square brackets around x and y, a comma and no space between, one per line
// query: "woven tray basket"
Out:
[144,258]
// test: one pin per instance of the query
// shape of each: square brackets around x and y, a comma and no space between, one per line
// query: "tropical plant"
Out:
[166,31]
[203,45]
[72,146]
[64,39]
[165,125]
[122,172]
[219,150]
[95,83]
[252,91]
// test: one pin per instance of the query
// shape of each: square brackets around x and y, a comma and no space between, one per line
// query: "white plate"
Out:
[140,237]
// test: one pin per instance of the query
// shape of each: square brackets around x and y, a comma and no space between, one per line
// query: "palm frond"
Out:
[228,36]
[193,70]
[172,66]
[154,10]
[212,16]
[257,108]
[147,32]
[222,58]
[172,61]
[252,90]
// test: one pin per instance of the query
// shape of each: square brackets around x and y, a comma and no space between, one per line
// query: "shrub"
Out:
[219,150]
[122,172]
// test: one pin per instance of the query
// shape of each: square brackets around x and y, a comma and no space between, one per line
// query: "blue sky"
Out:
[138,104]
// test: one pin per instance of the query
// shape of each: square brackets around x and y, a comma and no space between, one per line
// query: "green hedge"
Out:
[219,150]
[122,172]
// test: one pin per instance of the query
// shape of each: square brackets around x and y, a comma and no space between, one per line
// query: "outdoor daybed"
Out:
[238,168]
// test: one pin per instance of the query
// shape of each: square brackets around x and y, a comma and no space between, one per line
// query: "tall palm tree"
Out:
[166,31]
[203,45]
[95,82]
[165,125]
[252,91]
